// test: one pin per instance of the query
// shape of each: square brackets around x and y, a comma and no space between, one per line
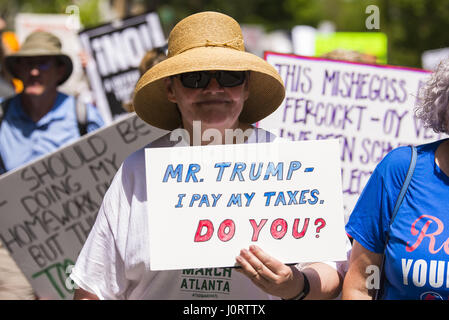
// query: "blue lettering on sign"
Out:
[238,168]
[173,173]
[305,197]
[239,171]
[221,165]
[236,199]
[202,199]
[193,169]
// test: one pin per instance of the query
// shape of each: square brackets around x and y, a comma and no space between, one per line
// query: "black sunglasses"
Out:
[201,79]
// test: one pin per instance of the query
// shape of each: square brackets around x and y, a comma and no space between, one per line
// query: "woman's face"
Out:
[215,106]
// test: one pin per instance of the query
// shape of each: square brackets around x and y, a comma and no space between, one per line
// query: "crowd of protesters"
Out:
[206,75]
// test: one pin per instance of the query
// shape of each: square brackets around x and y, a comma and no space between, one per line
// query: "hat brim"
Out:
[266,89]
[10,62]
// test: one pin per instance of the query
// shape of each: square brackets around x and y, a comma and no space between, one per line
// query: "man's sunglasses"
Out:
[201,79]
[30,64]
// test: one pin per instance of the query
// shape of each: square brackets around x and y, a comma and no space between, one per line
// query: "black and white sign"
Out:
[116,50]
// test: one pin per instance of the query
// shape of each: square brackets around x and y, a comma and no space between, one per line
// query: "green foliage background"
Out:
[412,26]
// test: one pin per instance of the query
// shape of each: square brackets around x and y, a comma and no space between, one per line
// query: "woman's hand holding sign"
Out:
[269,274]
[288,282]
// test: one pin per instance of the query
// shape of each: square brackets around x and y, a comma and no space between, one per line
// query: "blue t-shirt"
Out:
[417,255]
[23,140]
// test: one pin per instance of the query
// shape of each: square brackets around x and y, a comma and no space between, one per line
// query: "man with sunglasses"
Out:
[35,122]
[208,80]
[40,119]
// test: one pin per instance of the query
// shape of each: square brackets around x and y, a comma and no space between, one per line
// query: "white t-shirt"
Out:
[114,261]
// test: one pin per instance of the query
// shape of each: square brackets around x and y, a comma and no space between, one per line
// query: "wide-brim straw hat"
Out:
[38,44]
[207,41]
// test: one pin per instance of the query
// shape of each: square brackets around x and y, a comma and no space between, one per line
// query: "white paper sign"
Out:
[369,108]
[207,203]
[48,207]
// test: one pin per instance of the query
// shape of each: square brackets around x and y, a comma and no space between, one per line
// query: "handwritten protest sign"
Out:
[369,108]
[116,50]
[209,202]
[48,207]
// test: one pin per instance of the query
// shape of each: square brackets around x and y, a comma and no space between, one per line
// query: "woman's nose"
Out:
[214,86]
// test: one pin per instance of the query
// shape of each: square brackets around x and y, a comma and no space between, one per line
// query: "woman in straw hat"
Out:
[208,81]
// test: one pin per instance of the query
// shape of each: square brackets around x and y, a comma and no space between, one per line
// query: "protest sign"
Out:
[115,51]
[209,202]
[369,108]
[48,207]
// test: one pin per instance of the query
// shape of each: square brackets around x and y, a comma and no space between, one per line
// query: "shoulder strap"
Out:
[81,115]
[401,196]
[4,105]
[399,200]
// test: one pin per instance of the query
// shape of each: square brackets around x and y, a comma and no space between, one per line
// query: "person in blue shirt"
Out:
[417,253]
[36,122]
[40,119]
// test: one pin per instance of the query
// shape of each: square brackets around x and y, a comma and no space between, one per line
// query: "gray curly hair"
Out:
[433,100]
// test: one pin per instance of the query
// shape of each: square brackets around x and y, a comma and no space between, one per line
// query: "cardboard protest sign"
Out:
[116,50]
[63,26]
[209,202]
[369,108]
[48,207]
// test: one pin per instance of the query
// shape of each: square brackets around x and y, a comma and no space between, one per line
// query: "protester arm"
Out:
[278,279]
[355,283]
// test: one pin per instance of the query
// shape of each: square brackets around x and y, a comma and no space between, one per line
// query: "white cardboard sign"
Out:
[369,108]
[208,202]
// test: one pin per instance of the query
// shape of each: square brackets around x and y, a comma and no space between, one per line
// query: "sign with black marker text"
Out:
[369,108]
[116,50]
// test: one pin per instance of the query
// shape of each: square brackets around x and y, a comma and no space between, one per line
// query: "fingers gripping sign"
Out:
[254,263]
[269,274]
